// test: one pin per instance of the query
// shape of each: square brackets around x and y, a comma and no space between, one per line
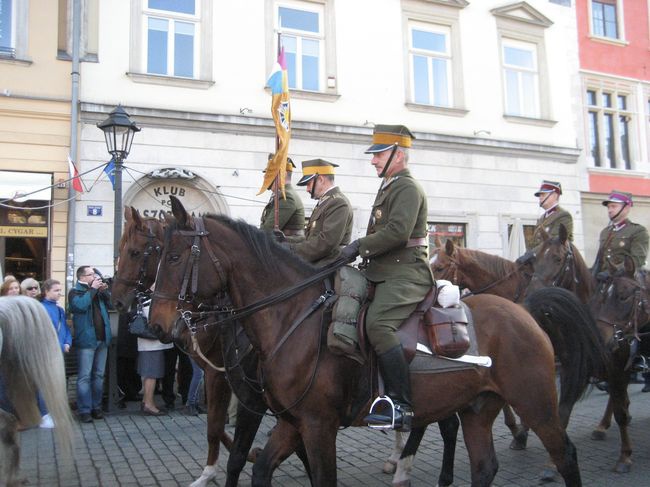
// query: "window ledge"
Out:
[310,95]
[616,171]
[540,122]
[87,58]
[154,79]
[609,40]
[13,60]
[451,111]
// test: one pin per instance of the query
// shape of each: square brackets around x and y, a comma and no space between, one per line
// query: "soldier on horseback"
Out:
[621,237]
[553,216]
[291,210]
[396,256]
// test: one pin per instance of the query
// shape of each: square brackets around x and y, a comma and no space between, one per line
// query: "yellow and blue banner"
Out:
[281,112]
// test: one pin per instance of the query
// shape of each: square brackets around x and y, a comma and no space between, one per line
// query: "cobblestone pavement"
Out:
[128,449]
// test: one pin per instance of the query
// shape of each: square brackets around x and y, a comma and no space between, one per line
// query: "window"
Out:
[521,78]
[456,232]
[301,33]
[604,18]
[430,65]
[172,28]
[7,29]
[609,119]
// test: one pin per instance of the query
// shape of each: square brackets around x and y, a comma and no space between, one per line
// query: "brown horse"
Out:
[558,262]
[573,333]
[140,250]
[480,272]
[313,390]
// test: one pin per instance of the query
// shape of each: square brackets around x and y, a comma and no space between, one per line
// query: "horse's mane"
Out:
[265,248]
[584,273]
[491,264]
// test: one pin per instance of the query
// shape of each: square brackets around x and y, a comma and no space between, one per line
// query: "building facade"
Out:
[615,83]
[493,111]
[34,137]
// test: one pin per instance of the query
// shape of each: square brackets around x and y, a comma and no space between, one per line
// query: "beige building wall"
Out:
[35,113]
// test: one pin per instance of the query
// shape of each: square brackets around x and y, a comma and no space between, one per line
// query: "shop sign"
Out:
[154,201]
[23,231]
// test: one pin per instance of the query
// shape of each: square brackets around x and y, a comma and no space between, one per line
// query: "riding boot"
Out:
[395,372]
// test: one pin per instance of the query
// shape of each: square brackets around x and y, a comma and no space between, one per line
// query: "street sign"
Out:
[94,210]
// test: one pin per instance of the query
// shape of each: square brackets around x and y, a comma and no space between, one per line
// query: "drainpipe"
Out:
[74,128]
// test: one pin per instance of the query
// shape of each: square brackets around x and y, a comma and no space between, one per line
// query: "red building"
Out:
[614,50]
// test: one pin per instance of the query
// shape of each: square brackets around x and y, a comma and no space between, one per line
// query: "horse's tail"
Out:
[32,361]
[575,337]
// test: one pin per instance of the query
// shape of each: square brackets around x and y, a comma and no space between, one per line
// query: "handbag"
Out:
[139,327]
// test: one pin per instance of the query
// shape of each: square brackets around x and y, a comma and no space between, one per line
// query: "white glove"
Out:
[448,293]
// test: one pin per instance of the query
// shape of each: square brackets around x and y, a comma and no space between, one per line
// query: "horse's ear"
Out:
[127,213]
[449,247]
[179,212]
[137,219]
[564,234]
[437,242]
[628,265]
[544,234]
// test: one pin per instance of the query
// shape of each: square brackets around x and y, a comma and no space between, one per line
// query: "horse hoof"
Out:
[519,443]
[597,435]
[548,475]
[622,467]
[389,467]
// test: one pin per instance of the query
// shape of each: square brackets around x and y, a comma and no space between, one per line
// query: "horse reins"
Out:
[150,248]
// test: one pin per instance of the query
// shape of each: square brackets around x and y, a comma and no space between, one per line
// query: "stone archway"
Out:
[150,195]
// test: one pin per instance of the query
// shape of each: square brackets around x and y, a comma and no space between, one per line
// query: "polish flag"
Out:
[74,176]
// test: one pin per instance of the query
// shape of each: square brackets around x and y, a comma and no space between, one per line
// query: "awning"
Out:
[23,186]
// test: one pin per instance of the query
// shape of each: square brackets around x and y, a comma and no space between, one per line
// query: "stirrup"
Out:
[399,419]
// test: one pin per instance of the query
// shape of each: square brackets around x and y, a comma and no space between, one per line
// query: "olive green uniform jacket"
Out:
[399,213]
[291,212]
[551,224]
[630,239]
[329,228]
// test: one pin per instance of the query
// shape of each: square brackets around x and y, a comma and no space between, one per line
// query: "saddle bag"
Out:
[351,289]
[447,330]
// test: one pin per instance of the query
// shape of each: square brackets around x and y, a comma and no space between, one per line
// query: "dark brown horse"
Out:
[140,251]
[314,391]
[558,262]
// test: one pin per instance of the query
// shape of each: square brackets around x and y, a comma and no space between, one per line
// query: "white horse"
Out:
[30,361]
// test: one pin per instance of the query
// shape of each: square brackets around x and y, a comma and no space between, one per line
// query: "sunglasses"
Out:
[33,288]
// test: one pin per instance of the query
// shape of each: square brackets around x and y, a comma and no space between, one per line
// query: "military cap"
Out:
[314,167]
[385,137]
[290,165]
[549,187]
[619,197]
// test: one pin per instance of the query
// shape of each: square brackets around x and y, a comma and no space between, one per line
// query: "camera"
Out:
[105,279]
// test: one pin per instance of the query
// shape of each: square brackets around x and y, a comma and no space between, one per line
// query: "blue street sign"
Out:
[94,210]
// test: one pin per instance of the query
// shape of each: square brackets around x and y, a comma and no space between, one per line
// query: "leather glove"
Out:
[527,258]
[602,276]
[279,235]
[350,251]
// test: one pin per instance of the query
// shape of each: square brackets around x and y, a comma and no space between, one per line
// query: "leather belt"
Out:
[416,242]
[294,233]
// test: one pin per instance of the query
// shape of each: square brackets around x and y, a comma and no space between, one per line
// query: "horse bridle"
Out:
[227,313]
[568,264]
[151,247]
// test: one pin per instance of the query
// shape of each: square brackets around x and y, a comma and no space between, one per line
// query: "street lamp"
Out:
[119,131]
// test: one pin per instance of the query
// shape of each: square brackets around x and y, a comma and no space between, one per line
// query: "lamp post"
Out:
[119,131]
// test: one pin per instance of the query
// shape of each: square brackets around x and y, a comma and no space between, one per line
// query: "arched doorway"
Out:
[150,195]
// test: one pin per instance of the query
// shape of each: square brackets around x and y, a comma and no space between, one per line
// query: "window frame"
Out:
[441,15]
[601,113]
[519,70]
[203,46]
[172,18]
[300,36]
[19,34]
[620,22]
[430,55]
[329,89]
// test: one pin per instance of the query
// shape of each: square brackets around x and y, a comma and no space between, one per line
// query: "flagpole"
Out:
[276,182]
